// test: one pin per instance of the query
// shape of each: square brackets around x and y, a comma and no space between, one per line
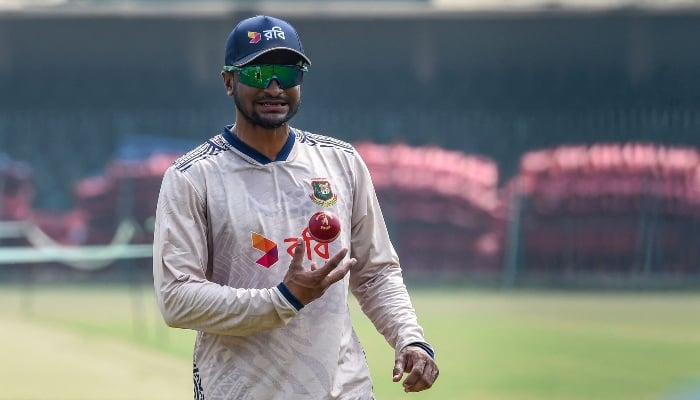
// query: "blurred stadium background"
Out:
[513,143]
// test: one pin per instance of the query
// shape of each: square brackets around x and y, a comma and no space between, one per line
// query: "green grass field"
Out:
[104,343]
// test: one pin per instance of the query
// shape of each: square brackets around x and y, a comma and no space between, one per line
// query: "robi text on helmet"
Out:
[258,35]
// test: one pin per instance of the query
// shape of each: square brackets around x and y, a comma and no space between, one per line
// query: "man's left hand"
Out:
[421,369]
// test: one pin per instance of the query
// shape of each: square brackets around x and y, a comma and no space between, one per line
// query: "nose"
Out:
[274,87]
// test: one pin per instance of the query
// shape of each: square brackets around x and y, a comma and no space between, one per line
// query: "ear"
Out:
[229,81]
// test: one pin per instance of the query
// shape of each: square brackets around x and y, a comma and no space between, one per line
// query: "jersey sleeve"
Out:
[181,253]
[376,280]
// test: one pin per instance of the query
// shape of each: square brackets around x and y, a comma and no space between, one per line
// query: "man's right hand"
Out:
[308,285]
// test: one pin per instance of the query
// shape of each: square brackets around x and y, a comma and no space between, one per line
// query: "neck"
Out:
[268,142]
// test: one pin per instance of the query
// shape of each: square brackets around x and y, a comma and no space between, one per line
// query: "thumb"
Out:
[298,256]
[398,368]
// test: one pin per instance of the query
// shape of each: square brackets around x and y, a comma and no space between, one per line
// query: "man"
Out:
[233,258]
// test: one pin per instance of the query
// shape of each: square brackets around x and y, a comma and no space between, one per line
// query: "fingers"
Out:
[330,272]
[338,273]
[421,368]
[333,262]
[308,285]
[415,381]
[298,257]
[398,367]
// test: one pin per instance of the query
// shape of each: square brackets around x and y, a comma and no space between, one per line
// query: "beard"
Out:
[257,119]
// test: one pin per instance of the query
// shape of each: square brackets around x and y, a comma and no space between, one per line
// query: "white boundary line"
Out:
[67,254]
[44,249]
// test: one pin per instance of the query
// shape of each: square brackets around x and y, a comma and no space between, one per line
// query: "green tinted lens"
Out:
[260,76]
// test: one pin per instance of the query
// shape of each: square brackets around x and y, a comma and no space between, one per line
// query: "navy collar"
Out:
[237,143]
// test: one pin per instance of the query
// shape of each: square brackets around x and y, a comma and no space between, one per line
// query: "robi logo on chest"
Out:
[269,248]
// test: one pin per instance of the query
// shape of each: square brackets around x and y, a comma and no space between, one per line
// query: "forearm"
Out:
[208,307]
[385,301]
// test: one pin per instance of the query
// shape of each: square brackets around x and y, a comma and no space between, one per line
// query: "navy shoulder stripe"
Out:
[313,139]
[211,147]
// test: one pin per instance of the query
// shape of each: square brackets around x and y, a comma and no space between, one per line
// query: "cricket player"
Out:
[233,258]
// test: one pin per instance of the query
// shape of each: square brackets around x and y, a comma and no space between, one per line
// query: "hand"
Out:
[421,369]
[309,285]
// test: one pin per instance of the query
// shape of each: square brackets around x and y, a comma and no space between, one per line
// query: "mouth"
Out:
[273,105]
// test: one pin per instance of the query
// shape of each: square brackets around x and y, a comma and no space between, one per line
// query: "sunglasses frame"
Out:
[246,78]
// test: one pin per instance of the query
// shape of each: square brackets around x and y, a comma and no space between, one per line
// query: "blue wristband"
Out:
[289,296]
[425,347]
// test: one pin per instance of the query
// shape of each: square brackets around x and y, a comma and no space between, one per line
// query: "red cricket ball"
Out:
[324,226]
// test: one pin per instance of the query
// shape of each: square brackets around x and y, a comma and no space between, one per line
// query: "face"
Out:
[270,107]
[267,108]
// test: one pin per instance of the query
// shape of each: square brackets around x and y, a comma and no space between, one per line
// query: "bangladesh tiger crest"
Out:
[323,194]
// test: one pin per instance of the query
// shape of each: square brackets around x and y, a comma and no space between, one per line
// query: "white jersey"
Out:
[226,225]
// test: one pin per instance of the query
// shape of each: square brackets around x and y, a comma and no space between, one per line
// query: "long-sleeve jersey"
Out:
[227,222]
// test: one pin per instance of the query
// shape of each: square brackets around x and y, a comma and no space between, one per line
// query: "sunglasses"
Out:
[259,76]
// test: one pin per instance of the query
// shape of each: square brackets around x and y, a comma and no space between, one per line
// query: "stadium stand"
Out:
[609,208]
[127,191]
[442,205]
[16,188]
[572,211]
